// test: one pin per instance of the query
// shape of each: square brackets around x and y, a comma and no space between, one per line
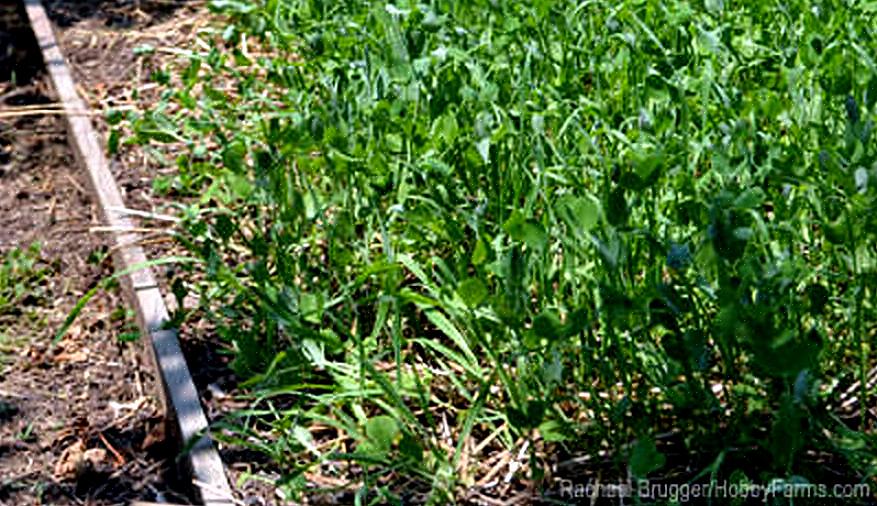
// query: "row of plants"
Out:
[570,227]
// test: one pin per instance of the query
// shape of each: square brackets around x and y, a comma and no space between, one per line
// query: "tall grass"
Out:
[567,226]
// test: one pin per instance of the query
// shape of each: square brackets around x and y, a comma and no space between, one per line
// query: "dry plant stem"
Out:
[6,114]
[139,230]
[145,214]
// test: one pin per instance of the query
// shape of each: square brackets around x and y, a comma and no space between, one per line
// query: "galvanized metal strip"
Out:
[180,396]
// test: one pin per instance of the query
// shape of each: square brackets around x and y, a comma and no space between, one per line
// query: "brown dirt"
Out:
[110,76]
[89,396]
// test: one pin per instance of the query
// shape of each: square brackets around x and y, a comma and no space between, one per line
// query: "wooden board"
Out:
[180,398]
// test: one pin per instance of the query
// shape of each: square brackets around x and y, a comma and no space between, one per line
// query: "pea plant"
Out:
[570,227]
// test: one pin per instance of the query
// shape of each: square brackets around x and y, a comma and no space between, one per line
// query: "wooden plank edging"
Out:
[180,400]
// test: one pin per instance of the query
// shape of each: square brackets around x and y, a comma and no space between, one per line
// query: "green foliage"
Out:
[23,289]
[651,200]
[22,274]
[645,458]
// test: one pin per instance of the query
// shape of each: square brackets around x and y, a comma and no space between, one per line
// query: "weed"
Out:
[20,276]
[22,286]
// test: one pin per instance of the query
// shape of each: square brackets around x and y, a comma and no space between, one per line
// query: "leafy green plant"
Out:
[551,222]
[22,287]
[20,274]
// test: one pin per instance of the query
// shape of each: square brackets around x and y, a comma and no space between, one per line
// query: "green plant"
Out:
[22,288]
[20,275]
[570,224]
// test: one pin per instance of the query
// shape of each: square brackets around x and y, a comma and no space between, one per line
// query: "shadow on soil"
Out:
[20,58]
[111,13]
[7,411]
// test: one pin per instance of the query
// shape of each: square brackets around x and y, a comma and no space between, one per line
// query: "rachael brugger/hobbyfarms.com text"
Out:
[685,492]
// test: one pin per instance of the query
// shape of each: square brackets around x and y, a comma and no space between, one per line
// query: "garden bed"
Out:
[528,244]
[352,297]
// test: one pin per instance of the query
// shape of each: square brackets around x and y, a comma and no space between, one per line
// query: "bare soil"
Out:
[100,45]
[78,421]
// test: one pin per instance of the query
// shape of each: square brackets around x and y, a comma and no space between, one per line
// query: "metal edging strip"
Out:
[181,400]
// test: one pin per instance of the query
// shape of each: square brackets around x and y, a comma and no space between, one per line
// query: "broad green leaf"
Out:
[480,255]
[553,431]
[646,161]
[311,306]
[547,325]
[581,214]
[788,354]
[645,458]
[113,142]
[239,185]
[381,431]
[472,291]
[750,198]
[225,227]
[533,235]
[233,157]
[528,418]
[447,128]
[304,438]
[410,447]
[530,233]
[616,208]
